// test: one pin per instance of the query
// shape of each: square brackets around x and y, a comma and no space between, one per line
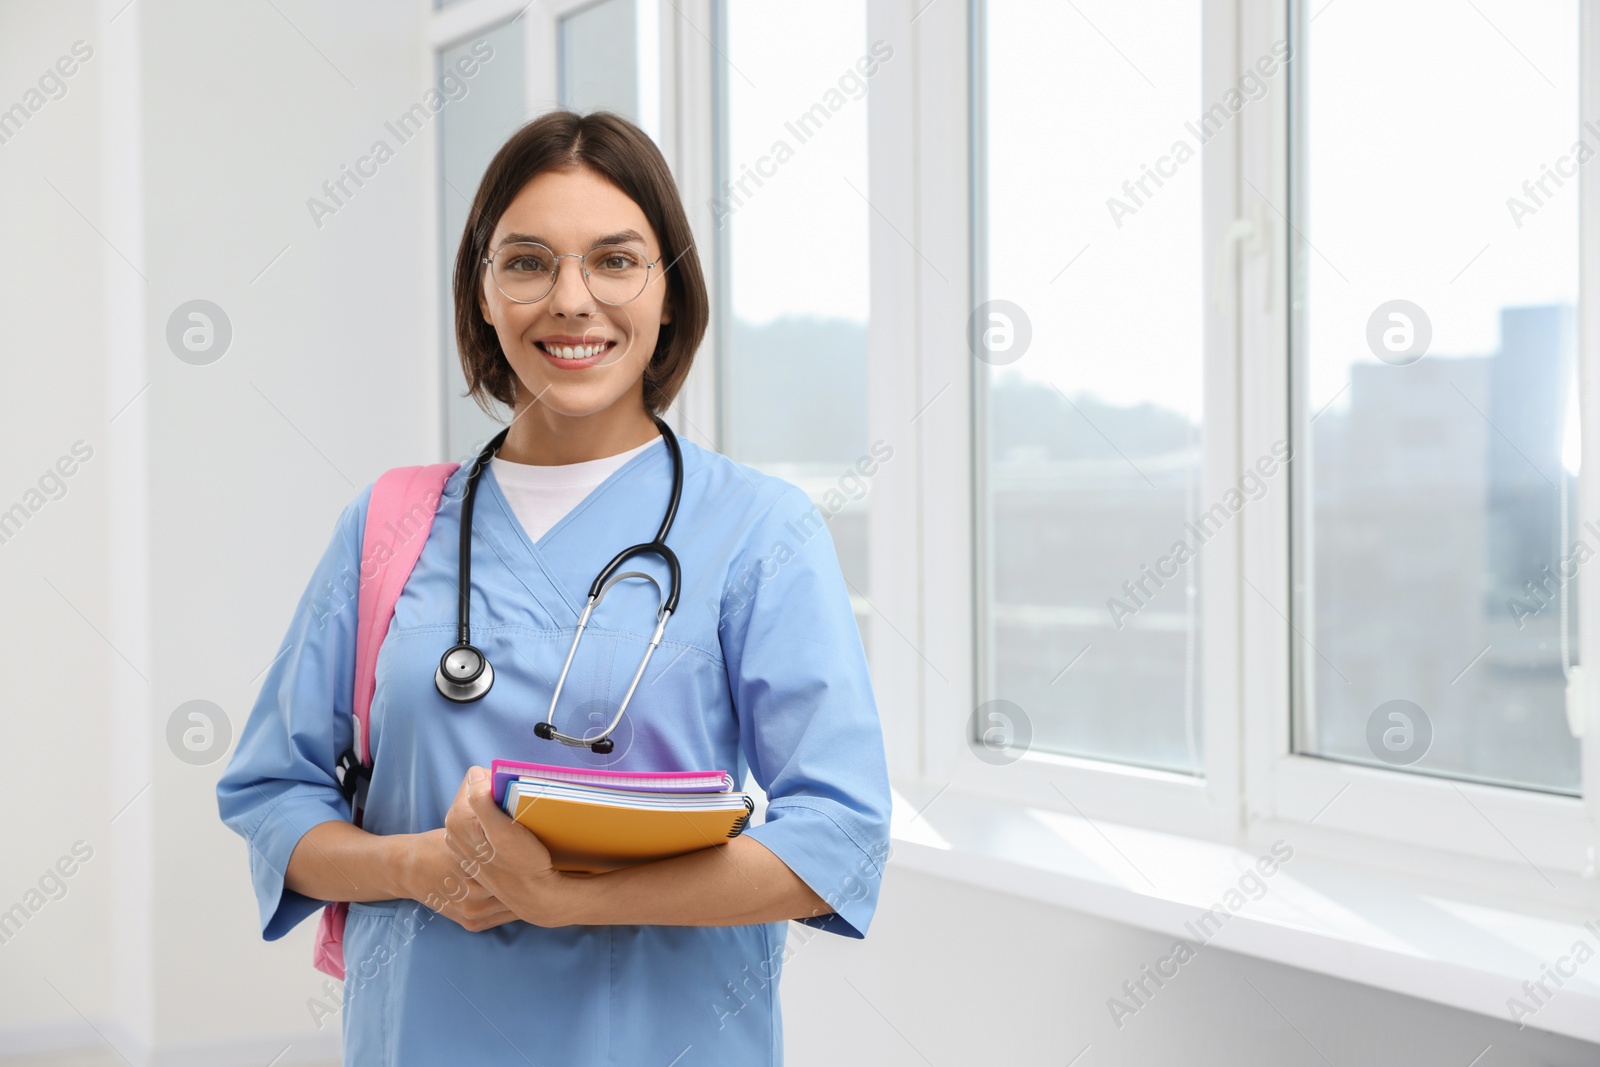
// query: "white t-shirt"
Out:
[541,495]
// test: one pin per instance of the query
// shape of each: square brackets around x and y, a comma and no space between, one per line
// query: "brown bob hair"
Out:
[622,153]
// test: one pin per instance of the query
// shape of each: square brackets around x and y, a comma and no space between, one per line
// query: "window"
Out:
[598,53]
[609,61]
[569,54]
[471,131]
[1298,550]
[1228,365]
[1089,407]
[790,225]
[1434,277]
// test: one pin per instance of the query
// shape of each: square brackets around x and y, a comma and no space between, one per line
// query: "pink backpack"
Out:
[399,516]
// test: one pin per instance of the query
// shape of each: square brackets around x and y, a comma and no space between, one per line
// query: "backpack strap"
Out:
[399,515]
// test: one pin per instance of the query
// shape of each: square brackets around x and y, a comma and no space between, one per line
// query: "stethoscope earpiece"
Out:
[464,673]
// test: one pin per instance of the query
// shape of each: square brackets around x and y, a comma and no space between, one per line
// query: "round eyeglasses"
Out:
[526,272]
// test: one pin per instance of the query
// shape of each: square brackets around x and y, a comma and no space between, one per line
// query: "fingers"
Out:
[469,844]
[480,798]
[465,836]
[494,824]
[478,908]
[459,814]
[489,922]
[483,904]
[467,896]
[476,833]
[475,828]
[464,831]
[484,920]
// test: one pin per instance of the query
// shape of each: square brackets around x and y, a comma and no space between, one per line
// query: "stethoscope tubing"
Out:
[464,673]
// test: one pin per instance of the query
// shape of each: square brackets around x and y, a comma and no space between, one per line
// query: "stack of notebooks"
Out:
[598,820]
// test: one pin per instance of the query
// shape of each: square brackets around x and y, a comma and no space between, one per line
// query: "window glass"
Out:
[791,223]
[471,131]
[599,59]
[1434,168]
[606,59]
[1087,336]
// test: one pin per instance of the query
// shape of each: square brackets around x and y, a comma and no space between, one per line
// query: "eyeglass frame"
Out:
[555,274]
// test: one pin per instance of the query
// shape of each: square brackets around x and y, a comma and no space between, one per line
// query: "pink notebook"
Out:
[643,781]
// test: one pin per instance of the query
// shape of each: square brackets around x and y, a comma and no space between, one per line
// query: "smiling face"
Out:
[574,210]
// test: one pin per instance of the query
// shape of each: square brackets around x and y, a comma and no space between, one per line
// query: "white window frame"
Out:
[924,556]
[925,548]
[674,89]
[1484,833]
[541,19]
[923,402]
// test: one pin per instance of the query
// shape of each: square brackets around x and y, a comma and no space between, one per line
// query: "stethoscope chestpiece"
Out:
[464,674]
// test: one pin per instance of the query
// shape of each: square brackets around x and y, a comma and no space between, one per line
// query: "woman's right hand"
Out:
[436,877]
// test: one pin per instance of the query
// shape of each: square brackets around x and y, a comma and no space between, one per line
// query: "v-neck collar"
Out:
[488,484]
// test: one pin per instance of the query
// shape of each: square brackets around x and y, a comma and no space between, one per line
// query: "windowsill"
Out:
[1379,928]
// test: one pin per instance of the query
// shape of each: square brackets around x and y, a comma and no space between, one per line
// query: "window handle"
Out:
[1577,700]
[1254,234]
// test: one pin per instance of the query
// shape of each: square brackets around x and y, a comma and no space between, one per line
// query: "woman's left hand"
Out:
[506,857]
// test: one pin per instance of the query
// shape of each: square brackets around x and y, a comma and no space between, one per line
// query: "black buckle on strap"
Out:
[351,773]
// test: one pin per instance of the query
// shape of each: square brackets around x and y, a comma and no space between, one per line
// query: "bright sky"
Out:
[1422,118]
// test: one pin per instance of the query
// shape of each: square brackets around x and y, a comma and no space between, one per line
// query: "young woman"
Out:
[579,305]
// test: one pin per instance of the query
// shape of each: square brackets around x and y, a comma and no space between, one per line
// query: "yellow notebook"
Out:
[595,829]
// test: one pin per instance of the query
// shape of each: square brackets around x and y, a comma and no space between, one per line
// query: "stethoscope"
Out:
[464,673]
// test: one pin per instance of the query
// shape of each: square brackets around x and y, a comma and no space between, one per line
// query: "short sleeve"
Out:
[808,722]
[280,781]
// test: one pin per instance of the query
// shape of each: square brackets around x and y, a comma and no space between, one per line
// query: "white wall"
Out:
[191,140]
[951,974]
[167,572]
[54,567]
[331,378]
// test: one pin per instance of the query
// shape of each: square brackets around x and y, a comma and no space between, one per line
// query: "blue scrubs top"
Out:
[761,669]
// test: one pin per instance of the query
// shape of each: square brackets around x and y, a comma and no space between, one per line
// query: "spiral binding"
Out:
[744,820]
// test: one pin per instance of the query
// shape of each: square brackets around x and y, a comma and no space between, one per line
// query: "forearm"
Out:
[728,885]
[338,860]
